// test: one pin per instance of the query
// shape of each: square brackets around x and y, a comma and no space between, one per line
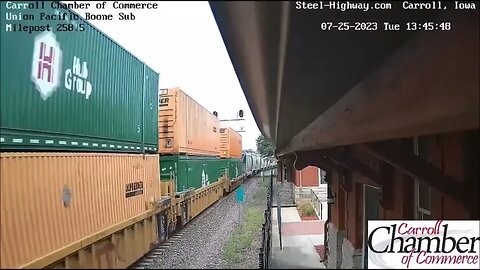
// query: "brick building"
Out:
[382,182]
[392,118]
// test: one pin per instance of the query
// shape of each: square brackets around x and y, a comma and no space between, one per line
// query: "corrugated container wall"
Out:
[247,161]
[256,162]
[51,200]
[234,166]
[73,90]
[185,127]
[191,172]
[230,143]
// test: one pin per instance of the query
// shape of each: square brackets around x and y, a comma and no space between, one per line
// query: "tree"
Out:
[264,147]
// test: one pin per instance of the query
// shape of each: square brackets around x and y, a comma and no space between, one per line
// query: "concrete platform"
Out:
[298,241]
[289,214]
[313,227]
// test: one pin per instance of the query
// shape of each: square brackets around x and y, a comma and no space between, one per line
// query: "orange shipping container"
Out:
[52,200]
[185,127]
[230,143]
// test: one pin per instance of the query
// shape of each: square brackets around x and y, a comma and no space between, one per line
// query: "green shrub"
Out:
[307,210]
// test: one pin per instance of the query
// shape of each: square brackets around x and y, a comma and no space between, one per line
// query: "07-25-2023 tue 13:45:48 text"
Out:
[386,26]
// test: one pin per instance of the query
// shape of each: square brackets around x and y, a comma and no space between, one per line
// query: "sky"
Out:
[181,41]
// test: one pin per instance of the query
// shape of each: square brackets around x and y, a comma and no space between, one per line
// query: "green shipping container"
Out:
[234,166]
[190,172]
[71,88]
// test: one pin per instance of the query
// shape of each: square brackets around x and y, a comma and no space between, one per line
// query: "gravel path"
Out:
[201,241]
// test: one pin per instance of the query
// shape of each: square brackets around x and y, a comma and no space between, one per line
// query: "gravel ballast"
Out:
[200,244]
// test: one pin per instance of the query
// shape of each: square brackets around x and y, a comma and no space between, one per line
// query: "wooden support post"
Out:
[340,162]
[346,183]
[388,192]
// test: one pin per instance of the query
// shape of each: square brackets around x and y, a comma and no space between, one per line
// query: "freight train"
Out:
[98,166]
[254,162]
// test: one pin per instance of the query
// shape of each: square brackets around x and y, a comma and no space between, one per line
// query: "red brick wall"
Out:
[449,158]
[337,208]
[308,177]
[403,197]
[447,153]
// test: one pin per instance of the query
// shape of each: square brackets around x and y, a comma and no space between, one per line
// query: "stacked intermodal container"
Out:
[190,172]
[230,143]
[188,141]
[231,152]
[78,136]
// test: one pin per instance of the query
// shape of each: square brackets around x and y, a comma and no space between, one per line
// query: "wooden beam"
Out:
[355,165]
[417,167]
[415,92]
[341,162]
[320,160]
[315,158]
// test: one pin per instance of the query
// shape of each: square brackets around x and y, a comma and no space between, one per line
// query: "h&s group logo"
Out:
[441,244]
[46,64]
[46,72]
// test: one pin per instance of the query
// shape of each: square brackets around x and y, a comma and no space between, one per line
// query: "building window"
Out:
[424,201]
[322,174]
[423,192]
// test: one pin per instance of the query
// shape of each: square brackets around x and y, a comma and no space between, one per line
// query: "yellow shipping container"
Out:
[185,127]
[230,143]
[52,200]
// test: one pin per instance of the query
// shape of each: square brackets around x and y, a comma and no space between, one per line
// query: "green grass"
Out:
[243,236]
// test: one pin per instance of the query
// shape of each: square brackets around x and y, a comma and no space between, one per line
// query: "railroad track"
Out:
[153,255]
[156,254]
[187,246]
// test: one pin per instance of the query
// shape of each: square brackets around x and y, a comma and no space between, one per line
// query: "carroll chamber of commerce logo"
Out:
[46,64]
[424,244]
